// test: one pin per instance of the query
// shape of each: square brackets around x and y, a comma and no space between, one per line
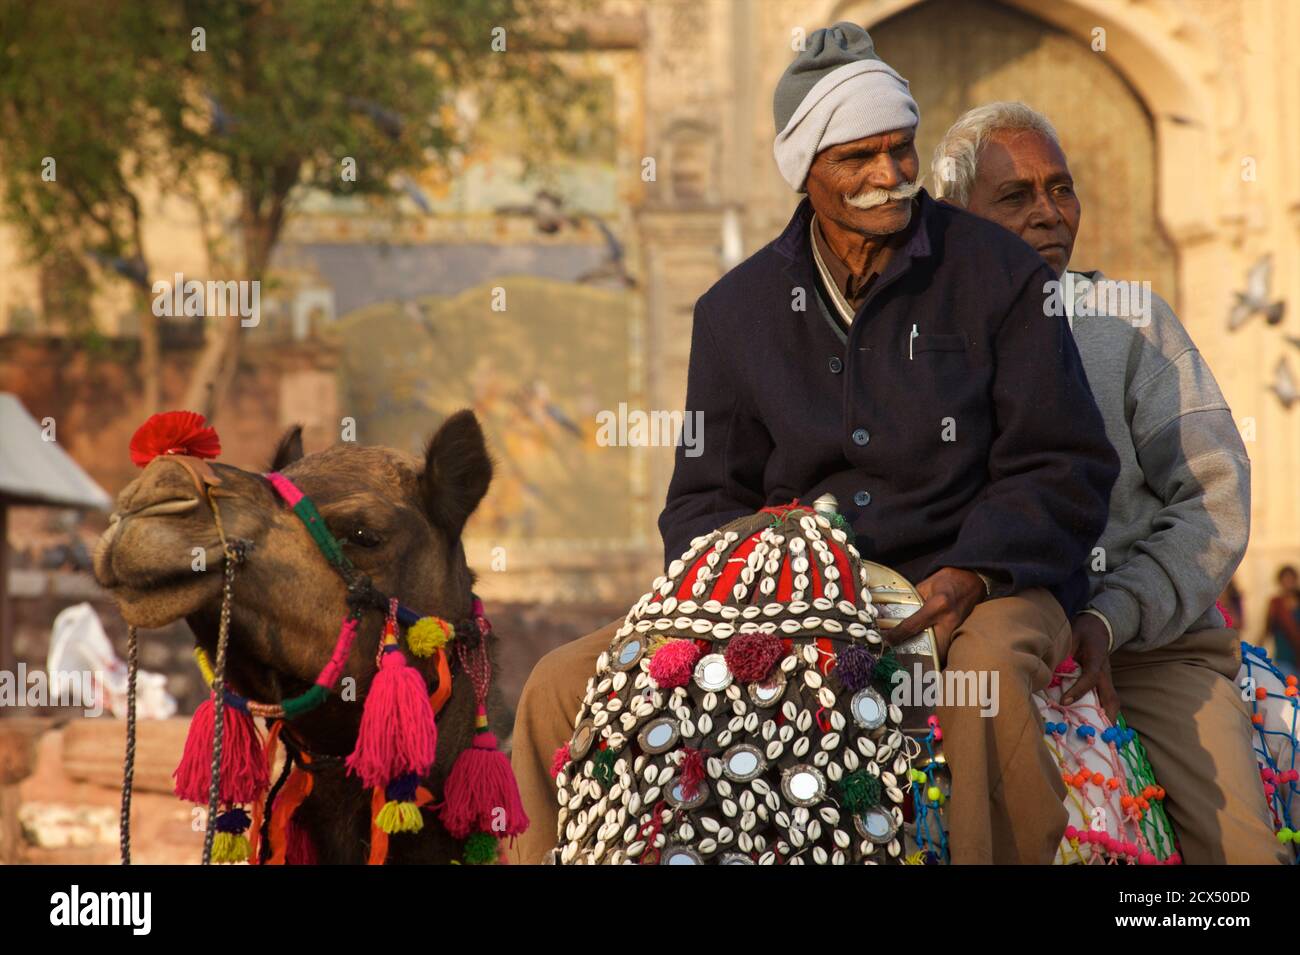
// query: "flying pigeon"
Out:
[408,186]
[223,122]
[133,270]
[547,210]
[1256,297]
[388,122]
[1284,384]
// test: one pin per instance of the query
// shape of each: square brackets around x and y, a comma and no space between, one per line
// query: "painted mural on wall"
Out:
[537,375]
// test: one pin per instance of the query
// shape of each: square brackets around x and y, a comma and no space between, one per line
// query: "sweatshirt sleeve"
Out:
[722,478]
[1193,458]
[1051,467]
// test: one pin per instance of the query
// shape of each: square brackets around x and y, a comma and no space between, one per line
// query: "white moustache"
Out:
[878,197]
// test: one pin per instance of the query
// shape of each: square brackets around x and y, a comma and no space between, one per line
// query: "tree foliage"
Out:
[266,97]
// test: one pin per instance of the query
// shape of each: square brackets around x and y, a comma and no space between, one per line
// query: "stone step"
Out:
[94,751]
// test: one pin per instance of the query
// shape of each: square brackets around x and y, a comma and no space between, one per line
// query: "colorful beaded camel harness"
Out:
[227,764]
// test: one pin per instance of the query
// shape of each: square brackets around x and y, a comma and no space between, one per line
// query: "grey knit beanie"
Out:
[836,91]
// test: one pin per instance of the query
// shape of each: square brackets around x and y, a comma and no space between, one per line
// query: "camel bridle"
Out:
[469,634]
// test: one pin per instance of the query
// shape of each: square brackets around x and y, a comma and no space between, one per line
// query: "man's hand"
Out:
[949,595]
[1090,647]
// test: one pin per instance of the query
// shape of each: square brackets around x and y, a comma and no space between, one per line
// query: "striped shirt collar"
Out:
[842,307]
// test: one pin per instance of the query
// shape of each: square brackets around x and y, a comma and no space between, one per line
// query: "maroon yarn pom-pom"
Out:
[854,666]
[751,656]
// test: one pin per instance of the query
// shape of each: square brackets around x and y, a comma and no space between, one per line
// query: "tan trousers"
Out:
[1188,712]
[1007,792]
[544,721]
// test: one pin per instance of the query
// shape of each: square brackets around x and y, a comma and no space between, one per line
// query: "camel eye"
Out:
[364,537]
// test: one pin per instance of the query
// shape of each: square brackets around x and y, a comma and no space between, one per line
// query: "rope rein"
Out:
[128,773]
[219,697]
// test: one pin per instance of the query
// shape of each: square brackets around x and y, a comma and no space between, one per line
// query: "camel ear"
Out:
[288,450]
[457,472]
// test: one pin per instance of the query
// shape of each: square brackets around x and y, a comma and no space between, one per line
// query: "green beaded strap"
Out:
[1155,823]
[320,533]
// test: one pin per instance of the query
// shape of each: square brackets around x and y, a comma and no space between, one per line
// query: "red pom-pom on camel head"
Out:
[174,432]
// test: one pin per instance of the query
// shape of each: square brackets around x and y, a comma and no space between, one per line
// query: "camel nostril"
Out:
[175,505]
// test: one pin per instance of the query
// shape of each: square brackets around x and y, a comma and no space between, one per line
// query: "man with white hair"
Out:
[896,353]
[1150,638]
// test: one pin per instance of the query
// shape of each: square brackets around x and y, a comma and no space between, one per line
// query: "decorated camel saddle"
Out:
[743,715]
[1274,701]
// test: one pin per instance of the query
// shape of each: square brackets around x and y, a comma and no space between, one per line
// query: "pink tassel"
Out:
[244,776]
[299,849]
[397,733]
[560,760]
[480,787]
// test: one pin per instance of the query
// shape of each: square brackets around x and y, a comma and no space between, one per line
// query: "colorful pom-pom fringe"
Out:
[428,635]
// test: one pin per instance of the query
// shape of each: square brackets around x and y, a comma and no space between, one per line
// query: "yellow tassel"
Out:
[230,847]
[205,666]
[399,817]
[427,635]
[916,858]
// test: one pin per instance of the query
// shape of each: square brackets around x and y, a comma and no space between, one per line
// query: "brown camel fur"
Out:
[400,521]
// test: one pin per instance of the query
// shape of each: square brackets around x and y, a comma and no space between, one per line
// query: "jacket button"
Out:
[860,437]
[862,498]
[837,366]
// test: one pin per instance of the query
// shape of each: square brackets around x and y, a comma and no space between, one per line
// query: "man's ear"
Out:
[288,450]
[457,472]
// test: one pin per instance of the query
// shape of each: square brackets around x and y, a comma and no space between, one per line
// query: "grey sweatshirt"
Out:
[1180,510]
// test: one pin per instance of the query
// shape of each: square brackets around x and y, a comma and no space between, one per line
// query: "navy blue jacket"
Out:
[953,421]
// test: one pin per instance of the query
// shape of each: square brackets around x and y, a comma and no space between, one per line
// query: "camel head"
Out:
[399,518]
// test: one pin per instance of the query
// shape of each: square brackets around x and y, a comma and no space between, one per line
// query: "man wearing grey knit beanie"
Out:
[845,123]
[902,356]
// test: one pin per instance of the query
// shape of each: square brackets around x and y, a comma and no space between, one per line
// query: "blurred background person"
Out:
[1283,623]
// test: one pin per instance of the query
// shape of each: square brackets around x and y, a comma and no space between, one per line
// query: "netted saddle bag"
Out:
[741,715]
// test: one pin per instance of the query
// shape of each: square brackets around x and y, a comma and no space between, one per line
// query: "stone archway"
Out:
[991,52]
[1172,60]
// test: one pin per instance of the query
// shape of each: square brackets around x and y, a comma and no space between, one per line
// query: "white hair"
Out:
[956,158]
